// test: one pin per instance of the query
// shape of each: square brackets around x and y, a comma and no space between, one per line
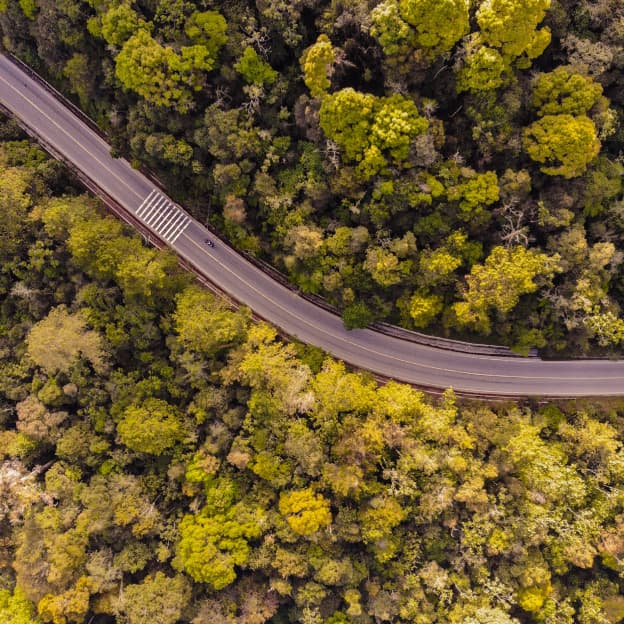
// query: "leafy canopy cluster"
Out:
[433,25]
[346,143]
[162,75]
[370,130]
[300,491]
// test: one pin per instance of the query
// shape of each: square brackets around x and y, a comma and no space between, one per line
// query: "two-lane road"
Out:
[58,127]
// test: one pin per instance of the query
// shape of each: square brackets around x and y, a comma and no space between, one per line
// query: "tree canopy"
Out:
[212,473]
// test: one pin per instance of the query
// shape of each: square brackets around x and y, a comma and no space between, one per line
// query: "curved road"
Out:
[424,366]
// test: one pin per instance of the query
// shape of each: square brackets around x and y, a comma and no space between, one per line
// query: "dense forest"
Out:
[165,460]
[446,165]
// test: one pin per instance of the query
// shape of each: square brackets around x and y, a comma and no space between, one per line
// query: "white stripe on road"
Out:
[148,207]
[165,218]
[157,209]
[145,201]
[171,225]
[184,226]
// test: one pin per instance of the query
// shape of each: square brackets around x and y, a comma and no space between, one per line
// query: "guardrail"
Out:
[381,327]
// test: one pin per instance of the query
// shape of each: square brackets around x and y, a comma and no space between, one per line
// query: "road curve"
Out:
[421,365]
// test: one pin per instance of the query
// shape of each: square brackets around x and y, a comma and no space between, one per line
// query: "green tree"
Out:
[606,327]
[145,273]
[161,75]
[394,34]
[79,72]
[424,308]
[564,144]
[369,129]
[346,117]
[474,193]
[207,28]
[204,324]
[484,69]
[93,241]
[15,201]
[396,123]
[167,148]
[153,427]
[212,544]
[146,67]
[15,608]
[70,607]
[437,266]
[385,267]
[253,69]
[120,22]
[357,315]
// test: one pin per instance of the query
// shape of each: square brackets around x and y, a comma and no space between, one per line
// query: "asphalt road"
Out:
[381,354]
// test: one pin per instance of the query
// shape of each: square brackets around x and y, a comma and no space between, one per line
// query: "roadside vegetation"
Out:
[165,460]
[448,166]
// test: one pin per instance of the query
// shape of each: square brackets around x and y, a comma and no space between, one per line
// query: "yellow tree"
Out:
[439,24]
[510,26]
[564,144]
[498,284]
[317,63]
[305,511]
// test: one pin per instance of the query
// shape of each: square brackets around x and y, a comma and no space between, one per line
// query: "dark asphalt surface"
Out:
[383,355]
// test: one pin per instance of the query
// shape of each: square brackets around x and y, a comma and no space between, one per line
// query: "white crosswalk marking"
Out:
[159,213]
[170,225]
[156,206]
[165,217]
[145,202]
[181,229]
[162,216]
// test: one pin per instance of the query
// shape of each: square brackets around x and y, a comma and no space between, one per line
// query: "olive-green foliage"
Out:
[564,144]
[157,598]
[439,24]
[484,68]
[357,315]
[163,76]
[346,118]
[393,33]
[498,283]
[204,324]
[69,606]
[510,25]
[153,427]
[424,309]
[120,23]
[317,64]
[474,193]
[253,69]
[561,92]
[367,128]
[150,69]
[16,608]
[298,491]
[305,511]
[207,28]
[283,123]
[212,545]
